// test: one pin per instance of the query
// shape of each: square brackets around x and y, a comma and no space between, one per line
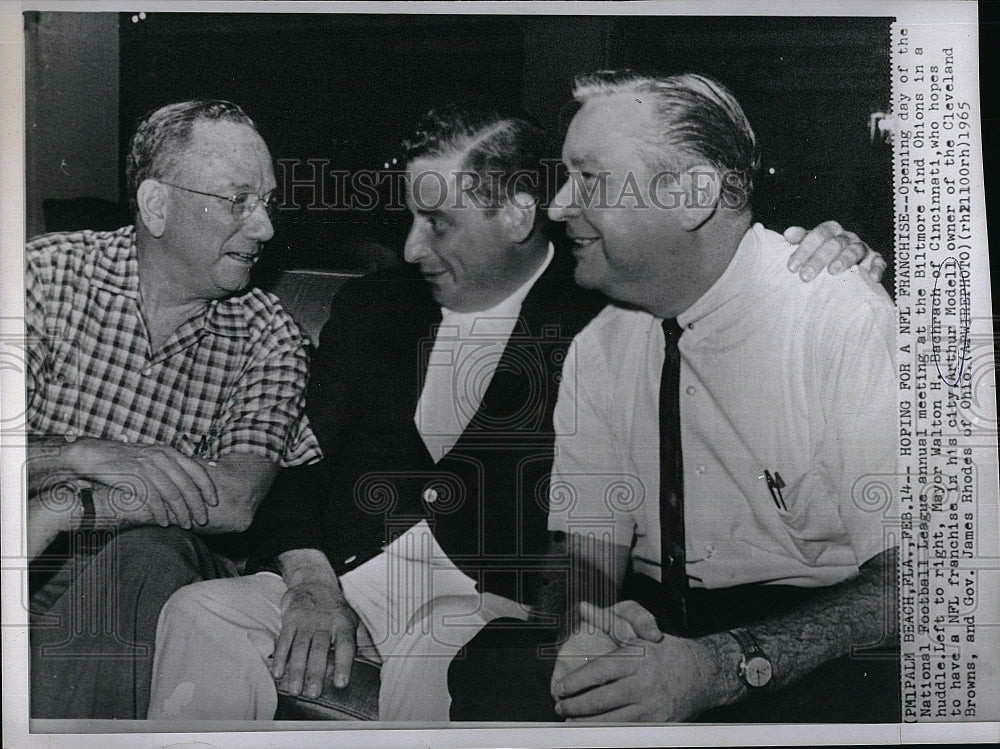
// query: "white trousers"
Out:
[214,639]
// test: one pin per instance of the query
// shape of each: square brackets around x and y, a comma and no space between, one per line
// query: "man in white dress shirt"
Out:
[732,558]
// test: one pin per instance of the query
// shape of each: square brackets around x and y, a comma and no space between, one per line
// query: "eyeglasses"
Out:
[243,203]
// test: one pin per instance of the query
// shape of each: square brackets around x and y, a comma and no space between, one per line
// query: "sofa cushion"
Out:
[307,294]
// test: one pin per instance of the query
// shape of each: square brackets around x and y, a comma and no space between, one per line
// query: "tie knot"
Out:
[671,331]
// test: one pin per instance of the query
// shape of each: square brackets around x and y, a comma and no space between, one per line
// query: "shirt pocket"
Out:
[812,521]
[201,445]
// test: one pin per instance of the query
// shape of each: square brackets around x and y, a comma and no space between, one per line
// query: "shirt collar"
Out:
[227,317]
[506,309]
[117,266]
[739,275]
[117,270]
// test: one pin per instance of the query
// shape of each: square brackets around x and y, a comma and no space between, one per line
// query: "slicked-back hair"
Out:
[504,151]
[164,133]
[695,119]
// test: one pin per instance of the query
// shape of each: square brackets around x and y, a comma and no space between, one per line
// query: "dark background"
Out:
[989,64]
[344,88]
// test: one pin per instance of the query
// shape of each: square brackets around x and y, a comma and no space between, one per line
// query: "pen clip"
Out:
[774,485]
[204,450]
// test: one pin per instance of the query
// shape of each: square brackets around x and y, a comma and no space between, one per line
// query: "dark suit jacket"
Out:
[487,499]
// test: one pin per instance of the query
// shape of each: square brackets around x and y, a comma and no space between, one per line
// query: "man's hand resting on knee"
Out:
[315,619]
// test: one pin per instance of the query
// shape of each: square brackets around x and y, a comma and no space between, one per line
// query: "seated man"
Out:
[432,396]
[717,428]
[163,397]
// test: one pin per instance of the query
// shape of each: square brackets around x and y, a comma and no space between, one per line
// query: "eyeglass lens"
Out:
[246,203]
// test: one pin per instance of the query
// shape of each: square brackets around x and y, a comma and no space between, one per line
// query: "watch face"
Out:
[757,671]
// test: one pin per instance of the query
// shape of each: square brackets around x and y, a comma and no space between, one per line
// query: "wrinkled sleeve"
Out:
[857,453]
[39,276]
[588,462]
[265,415]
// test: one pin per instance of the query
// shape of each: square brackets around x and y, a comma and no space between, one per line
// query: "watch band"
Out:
[755,668]
[89,520]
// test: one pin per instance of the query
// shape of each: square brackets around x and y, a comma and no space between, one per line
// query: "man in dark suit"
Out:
[432,395]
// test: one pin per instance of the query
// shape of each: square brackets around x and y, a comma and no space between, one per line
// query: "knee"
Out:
[157,544]
[192,604]
[170,556]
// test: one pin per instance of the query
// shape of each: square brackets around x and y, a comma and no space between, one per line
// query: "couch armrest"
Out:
[357,701]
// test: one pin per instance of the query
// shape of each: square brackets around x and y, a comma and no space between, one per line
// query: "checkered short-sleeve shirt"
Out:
[230,379]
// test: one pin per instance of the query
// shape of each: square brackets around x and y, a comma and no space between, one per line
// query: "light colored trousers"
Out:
[214,639]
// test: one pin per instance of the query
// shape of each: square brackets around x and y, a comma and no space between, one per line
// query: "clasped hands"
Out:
[619,667]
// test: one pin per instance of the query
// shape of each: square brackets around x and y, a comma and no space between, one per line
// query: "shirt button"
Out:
[709,551]
[70,436]
[690,390]
[700,470]
[124,438]
[147,371]
[430,495]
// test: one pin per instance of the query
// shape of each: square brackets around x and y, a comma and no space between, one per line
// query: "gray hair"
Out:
[697,119]
[163,134]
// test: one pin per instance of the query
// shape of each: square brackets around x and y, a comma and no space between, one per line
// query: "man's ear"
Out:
[151,198]
[518,216]
[702,186]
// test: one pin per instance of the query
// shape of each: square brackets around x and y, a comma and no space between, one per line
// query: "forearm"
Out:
[550,601]
[58,507]
[52,506]
[581,569]
[297,565]
[132,482]
[50,460]
[859,612]
[45,522]
[242,481]
[308,566]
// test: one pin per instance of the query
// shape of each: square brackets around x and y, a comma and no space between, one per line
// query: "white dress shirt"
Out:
[776,375]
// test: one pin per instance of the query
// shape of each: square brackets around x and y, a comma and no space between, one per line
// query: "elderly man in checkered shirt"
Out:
[163,396]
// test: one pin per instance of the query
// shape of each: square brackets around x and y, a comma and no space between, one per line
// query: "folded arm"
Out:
[140,485]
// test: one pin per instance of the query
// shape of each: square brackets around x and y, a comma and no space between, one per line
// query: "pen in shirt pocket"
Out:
[204,450]
[774,485]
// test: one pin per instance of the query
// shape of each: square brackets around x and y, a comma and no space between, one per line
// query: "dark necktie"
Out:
[673,570]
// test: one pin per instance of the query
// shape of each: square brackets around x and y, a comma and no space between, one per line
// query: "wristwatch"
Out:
[755,669]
